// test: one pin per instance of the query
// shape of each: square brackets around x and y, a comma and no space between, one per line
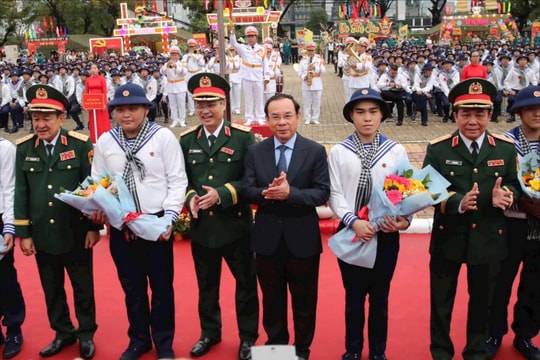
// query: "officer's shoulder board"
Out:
[188,131]
[241,127]
[502,138]
[24,139]
[78,136]
[440,139]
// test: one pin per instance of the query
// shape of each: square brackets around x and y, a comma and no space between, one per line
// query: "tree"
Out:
[524,11]
[317,20]
[384,5]
[436,9]
[12,25]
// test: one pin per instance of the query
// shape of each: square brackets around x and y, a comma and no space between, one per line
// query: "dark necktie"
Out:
[282,162]
[49,148]
[474,153]
[212,139]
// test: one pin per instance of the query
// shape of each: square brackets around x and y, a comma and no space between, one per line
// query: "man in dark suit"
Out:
[469,227]
[58,235]
[287,178]
[214,154]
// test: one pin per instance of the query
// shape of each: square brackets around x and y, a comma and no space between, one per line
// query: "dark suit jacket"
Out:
[474,237]
[295,220]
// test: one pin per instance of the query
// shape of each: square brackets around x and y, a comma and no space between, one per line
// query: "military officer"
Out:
[59,236]
[469,227]
[214,154]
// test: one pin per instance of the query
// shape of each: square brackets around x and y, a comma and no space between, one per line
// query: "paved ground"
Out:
[334,128]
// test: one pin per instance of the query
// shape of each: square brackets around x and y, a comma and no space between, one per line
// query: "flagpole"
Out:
[222,61]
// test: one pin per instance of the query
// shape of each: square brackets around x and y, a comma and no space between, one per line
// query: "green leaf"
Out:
[408,173]
[426,180]
[435,196]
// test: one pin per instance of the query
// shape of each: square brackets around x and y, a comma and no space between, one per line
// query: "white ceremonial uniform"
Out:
[423,84]
[7,180]
[150,87]
[272,72]
[134,79]
[112,86]
[176,90]
[447,81]
[312,95]
[164,164]
[252,72]
[194,63]
[56,82]
[235,81]
[385,79]
[360,75]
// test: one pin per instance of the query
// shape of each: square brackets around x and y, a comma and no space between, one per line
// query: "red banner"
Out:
[100,45]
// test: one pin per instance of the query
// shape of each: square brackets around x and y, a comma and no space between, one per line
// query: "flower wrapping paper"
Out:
[529,166]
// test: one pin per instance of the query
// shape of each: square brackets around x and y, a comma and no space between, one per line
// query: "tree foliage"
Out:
[317,20]
[436,9]
[525,11]
[384,5]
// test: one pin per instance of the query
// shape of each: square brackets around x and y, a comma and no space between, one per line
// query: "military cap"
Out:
[365,94]
[488,60]
[504,55]
[208,87]
[129,94]
[311,46]
[448,60]
[473,93]
[529,96]
[522,56]
[251,30]
[14,72]
[45,98]
[84,73]
[26,71]
[427,67]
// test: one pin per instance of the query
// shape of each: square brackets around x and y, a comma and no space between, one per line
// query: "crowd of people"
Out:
[216,172]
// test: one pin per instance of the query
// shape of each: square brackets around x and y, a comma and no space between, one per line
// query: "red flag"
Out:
[136,5]
[231,7]
[354,14]
[57,32]
[38,29]
[215,4]
[51,23]
[61,31]
[154,6]
[144,4]
[366,6]
[45,24]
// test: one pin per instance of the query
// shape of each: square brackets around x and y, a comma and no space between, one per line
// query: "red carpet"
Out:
[409,309]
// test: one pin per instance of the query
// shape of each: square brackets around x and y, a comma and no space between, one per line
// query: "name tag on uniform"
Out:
[31,159]
[453,162]
[227,150]
[195,151]
[67,155]
[498,162]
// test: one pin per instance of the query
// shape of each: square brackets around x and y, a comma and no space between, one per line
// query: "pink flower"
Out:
[394,196]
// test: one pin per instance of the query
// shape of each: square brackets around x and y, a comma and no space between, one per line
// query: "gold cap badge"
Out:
[475,88]
[41,93]
[205,82]
[125,93]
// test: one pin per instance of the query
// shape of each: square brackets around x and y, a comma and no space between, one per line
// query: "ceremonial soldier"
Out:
[194,63]
[310,70]
[176,87]
[393,87]
[13,106]
[60,237]
[359,66]
[252,72]
[161,96]
[469,227]
[150,87]
[494,76]
[214,155]
[235,80]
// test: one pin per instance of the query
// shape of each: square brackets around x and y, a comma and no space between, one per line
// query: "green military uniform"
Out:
[57,230]
[225,227]
[214,154]
[475,238]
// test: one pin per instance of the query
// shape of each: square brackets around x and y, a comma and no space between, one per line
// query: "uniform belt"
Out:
[235,71]
[358,75]
[316,75]
[174,81]
[251,65]
[194,71]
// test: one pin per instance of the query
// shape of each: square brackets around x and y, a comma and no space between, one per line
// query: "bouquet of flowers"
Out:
[82,198]
[111,195]
[121,211]
[183,223]
[406,191]
[529,175]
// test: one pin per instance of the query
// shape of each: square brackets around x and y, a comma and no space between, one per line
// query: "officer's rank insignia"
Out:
[491,140]
[498,162]
[227,150]
[475,88]
[453,162]
[63,140]
[455,141]
[31,159]
[67,155]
